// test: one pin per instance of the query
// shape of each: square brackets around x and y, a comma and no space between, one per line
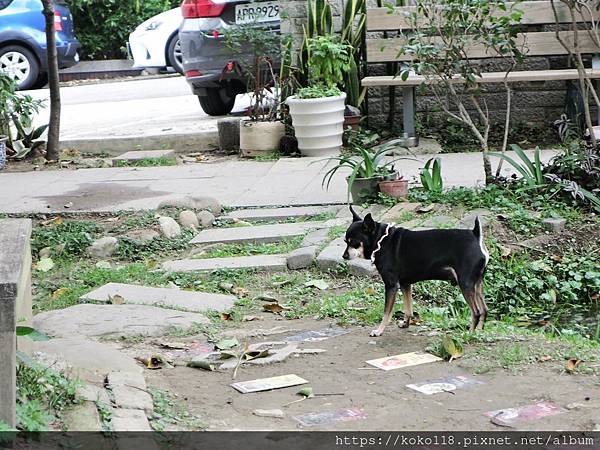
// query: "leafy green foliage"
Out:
[147,162]
[168,413]
[227,250]
[530,171]
[318,91]
[103,26]
[328,60]
[75,236]
[41,394]
[431,176]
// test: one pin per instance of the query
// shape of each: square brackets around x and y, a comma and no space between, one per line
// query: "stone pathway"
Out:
[265,263]
[162,297]
[278,214]
[139,155]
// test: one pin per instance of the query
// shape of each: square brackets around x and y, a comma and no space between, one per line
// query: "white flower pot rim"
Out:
[294,99]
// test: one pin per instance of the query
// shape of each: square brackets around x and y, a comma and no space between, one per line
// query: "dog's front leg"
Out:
[390,298]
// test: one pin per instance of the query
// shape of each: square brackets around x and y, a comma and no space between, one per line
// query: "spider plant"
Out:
[366,164]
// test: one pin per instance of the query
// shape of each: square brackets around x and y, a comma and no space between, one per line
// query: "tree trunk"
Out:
[52,151]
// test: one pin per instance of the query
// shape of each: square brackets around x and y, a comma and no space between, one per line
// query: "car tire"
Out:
[216,102]
[174,55]
[27,68]
[41,81]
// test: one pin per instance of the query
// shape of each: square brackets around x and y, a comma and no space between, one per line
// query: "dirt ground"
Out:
[387,403]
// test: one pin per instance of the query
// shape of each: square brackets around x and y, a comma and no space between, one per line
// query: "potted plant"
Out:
[397,187]
[262,131]
[317,111]
[367,171]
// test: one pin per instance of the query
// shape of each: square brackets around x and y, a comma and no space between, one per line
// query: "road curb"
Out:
[180,143]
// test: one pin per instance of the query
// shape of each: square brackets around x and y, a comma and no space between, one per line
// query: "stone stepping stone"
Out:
[130,420]
[257,234]
[97,321]
[89,360]
[296,212]
[145,154]
[265,263]
[331,256]
[161,297]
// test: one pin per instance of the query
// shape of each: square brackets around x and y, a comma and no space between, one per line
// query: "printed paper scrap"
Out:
[341,415]
[527,413]
[447,384]
[266,384]
[404,360]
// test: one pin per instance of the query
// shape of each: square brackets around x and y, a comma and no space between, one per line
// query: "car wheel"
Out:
[174,54]
[41,81]
[20,64]
[216,102]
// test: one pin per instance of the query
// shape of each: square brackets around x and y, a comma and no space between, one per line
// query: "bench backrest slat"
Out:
[537,44]
[534,13]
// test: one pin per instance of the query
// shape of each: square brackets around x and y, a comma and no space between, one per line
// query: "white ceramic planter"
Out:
[318,124]
[257,138]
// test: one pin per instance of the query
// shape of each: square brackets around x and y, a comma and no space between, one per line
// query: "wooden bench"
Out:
[541,43]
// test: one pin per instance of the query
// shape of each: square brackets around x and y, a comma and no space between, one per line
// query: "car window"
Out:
[5,3]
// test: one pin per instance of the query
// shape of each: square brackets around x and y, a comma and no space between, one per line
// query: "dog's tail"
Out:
[477,228]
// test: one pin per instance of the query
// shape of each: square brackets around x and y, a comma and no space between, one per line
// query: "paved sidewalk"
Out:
[289,181]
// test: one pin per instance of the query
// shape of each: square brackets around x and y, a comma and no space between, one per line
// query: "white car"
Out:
[155,43]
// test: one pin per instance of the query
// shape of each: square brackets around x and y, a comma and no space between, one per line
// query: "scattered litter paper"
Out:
[527,413]
[341,415]
[314,336]
[404,360]
[266,384]
[447,384]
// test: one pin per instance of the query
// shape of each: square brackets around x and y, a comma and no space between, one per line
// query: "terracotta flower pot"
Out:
[352,122]
[394,188]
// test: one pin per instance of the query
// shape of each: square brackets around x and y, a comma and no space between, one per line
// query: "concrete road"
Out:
[135,114]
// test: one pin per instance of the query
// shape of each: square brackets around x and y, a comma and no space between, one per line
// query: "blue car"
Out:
[23,41]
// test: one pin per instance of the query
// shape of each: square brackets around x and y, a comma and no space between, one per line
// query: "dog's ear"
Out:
[355,217]
[369,223]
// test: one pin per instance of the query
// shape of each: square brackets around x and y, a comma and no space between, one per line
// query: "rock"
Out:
[113,320]
[89,360]
[82,417]
[395,213]
[93,393]
[46,252]
[177,202]
[301,258]
[129,420]
[316,237]
[468,220]
[275,413]
[207,203]
[206,219]
[295,212]
[362,268]
[138,155]
[331,256]
[229,134]
[162,297]
[124,378]
[441,222]
[188,219]
[103,247]
[256,234]
[169,228]
[143,235]
[264,263]
[554,225]
[131,398]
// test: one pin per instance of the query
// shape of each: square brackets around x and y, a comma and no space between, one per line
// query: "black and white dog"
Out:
[404,257]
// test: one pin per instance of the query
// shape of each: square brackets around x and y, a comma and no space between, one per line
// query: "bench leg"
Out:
[408,100]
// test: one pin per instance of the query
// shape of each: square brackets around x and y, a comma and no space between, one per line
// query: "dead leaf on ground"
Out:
[452,347]
[227,344]
[572,365]
[275,308]
[425,208]
[201,364]
[250,318]
[226,316]
[55,221]
[281,283]
[45,265]
[546,358]
[504,251]
[250,355]
[155,362]
[240,292]
[496,421]
[173,345]
[60,292]
[370,291]
[319,284]
[116,299]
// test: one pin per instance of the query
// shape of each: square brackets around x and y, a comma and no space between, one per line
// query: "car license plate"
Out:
[257,12]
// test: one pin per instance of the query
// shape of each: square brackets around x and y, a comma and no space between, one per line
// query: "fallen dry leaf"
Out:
[452,347]
[240,292]
[264,298]
[60,292]
[116,299]
[370,291]
[56,221]
[250,318]
[226,316]
[572,364]
[275,308]
[173,345]
[201,364]
[545,358]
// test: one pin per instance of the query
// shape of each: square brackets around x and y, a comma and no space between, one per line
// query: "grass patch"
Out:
[73,237]
[228,250]
[41,396]
[147,162]
[134,250]
[168,414]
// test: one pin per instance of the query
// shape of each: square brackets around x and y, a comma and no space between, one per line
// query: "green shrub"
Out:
[103,26]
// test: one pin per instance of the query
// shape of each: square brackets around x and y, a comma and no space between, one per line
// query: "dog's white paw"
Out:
[376,333]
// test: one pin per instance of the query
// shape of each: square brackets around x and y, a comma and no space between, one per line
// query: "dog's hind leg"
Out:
[390,298]
[481,306]
[408,311]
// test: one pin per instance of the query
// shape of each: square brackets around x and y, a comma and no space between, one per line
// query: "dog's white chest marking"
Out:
[484,250]
[354,253]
